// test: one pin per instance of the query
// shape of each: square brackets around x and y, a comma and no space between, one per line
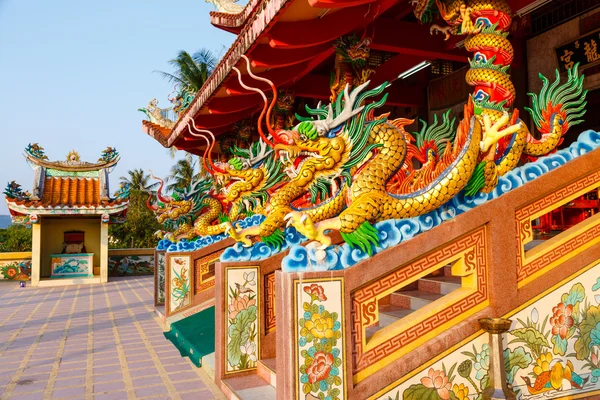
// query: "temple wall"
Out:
[127,262]
[121,262]
[53,236]
[541,57]
[15,265]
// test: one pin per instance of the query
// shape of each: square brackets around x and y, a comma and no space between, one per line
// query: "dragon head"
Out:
[423,10]
[183,204]
[13,191]
[37,151]
[355,50]
[108,154]
[249,174]
[310,157]
[285,101]
[323,149]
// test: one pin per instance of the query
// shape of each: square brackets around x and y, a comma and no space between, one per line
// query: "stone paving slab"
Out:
[91,342]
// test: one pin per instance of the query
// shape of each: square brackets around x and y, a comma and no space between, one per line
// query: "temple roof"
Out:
[72,192]
[34,153]
[67,187]
[291,43]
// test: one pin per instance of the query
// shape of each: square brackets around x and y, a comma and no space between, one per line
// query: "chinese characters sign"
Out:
[583,51]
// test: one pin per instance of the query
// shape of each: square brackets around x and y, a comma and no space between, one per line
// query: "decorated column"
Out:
[36,256]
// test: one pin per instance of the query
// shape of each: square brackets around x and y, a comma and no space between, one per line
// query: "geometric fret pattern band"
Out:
[524,234]
[364,300]
[270,302]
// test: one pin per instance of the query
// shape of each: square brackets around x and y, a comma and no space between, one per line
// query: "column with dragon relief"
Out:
[485,23]
[351,66]
[284,116]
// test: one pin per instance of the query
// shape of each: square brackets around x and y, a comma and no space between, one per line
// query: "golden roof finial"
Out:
[73,157]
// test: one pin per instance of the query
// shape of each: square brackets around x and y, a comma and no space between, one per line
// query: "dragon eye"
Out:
[308,129]
[236,163]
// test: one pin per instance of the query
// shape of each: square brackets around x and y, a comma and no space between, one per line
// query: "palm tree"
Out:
[182,174]
[191,71]
[138,179]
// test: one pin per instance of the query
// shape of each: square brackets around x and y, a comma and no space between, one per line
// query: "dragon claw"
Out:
[494,132]
[435,29]
[237,236]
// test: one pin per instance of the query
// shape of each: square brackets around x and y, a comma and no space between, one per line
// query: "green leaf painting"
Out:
[239,333]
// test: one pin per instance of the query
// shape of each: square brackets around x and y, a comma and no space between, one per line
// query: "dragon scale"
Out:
[369,186]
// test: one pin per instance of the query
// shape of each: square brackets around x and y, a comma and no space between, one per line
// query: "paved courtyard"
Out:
[91,342]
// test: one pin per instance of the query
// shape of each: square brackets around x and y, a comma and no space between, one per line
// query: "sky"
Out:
[73,74]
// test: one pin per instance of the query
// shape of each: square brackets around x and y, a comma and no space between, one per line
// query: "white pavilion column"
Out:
[36,252]
[103,252]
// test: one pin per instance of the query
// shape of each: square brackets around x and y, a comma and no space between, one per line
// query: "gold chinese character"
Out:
[566,58]
[591,51]
[577,44]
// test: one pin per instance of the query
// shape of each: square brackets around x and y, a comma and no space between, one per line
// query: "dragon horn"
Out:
[349,99]
[150,194]
[264,110]
[206,166]
[274,134]
[159,191]
[210,152]
[208,144]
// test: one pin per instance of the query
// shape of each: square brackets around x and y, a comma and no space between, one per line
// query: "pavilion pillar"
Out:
[103,252]
[36,252]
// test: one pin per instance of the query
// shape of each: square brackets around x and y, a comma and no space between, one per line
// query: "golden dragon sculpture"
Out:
[488,142]
[366,199]
[555,109]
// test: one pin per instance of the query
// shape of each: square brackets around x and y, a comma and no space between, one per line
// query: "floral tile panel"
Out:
[320,344]
[180,294]
[242,344]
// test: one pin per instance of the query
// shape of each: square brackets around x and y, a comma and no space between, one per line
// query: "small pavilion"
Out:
[69,210]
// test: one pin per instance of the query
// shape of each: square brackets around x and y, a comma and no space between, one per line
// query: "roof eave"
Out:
[256,24]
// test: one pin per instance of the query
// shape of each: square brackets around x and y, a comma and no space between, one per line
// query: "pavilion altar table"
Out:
[72,265]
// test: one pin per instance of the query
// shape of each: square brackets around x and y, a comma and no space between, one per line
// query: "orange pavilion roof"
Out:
[68,191]
[67,187]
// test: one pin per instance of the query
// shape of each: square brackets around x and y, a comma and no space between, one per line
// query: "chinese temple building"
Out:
[403,201]
[69,209]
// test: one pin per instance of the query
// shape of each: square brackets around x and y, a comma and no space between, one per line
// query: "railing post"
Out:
[498,387]
[311,348]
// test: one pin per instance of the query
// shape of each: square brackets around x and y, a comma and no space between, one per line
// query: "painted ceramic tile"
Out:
[72,265]
[552,351]
[17,270]
[131,265]
[319,339]
[181,296]
[161,278]
[242,323]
